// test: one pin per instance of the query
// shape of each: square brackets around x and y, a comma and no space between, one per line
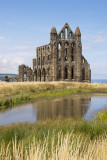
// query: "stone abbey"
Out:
[60,60]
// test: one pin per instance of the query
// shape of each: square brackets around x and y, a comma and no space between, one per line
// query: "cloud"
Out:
[90,40]
[13,56]
[18,47]
[10,23]
[9,64]
[1,37]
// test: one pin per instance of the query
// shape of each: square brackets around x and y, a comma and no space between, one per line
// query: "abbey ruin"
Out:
[60,60]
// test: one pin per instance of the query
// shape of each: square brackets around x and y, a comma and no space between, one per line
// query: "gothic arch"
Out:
[70,35]
[72,52]
[44,74]
[59,73]
[66,72]
[72,72]
[59,50]
[66,32]
[35,75]
[48,73]
[39,74]
[83,74]
[25,76]
[66,46]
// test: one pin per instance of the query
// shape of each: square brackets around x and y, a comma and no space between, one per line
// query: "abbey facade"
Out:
[60,60]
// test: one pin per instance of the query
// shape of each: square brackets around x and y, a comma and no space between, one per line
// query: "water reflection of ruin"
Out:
[64,107]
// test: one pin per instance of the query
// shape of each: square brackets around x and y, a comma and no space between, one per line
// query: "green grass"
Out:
[14,93]
[50,128]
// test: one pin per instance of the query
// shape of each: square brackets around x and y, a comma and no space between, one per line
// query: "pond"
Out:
[85,106]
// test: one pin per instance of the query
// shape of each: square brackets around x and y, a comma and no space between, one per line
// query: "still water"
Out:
[85,106]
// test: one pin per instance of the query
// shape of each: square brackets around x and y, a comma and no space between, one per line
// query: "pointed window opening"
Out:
[70,36]
[72,73]
[59,51]
[66,73]
[66,52]
[44,75]
[40,75]
[59,74]
[83,74]
[66,58]
[61,35]
[39,61]
[35,75]
[72,52]
[66,32]
[25,77]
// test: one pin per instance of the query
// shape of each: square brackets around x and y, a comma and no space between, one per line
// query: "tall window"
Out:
[39,61]
[66,52]
[39,74]
[25,77]
[44,75]
[35,74]
[72,52]
[66,32]
[70,36]
[66,58]
[59,51]
[59,74]
[72,73]
[66,73]
[83,74]
[61,35]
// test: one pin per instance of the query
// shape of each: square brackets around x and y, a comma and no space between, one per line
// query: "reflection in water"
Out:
[66,107]
[85,106]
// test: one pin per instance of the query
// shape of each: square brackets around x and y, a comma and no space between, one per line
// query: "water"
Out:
[2,76]
[85,106]
[102,81]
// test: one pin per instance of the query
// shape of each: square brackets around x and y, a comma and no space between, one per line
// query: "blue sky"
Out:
[26,24]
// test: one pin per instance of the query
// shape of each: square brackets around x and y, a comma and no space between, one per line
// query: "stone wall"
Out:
[25,73]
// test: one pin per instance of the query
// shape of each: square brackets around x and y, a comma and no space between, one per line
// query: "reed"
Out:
[68,147]
[71,138]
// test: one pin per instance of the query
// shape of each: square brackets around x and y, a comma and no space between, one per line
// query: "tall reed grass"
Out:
[68,147]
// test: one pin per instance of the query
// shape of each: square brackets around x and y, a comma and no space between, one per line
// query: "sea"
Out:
[102,81]
[2,76]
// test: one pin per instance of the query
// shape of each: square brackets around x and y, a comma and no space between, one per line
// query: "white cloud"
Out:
[99,39]
[1,37]
[10,64]
[18,47]
[90,40]
[10,23]
[13,56]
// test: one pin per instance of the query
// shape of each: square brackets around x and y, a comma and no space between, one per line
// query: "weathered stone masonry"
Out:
[60,60]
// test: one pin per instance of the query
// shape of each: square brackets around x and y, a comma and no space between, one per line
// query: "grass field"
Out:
[13,93]
[58,139]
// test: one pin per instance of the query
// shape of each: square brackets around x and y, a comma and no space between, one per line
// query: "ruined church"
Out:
[60,60]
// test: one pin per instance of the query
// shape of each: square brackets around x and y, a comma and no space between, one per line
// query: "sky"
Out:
[26,24]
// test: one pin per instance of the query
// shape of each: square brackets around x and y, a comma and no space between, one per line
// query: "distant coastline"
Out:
[2,78]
